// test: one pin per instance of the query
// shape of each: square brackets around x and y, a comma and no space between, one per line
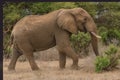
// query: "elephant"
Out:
[40,32]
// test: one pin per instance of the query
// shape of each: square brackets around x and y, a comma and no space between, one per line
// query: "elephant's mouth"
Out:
[85,30]
[94,34]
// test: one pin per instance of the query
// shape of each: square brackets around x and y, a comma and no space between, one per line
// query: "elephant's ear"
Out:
[67,22]
[84,13]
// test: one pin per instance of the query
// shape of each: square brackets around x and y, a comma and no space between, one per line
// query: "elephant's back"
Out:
[32,22]
[26,25]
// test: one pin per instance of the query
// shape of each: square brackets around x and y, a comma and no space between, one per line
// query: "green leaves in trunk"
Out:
[80,42]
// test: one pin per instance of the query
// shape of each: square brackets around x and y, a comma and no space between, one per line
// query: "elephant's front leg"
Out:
[62,59]
[67,51]
[64,45]
[70,53]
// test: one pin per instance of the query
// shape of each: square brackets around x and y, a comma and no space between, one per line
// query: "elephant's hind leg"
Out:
[16,54]
[31,60]
[28,52]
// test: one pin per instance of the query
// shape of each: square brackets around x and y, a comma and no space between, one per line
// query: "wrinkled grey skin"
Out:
[36,33]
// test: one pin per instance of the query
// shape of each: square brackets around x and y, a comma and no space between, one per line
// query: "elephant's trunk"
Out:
[94,41]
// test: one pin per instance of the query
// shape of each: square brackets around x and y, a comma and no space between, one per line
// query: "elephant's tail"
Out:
[11,39]
[10,42]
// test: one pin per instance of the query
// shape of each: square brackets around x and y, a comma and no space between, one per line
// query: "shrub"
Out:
[81,42]
[110,36]
[102,63]
[6,45]
[108,61]
[113,56]
[7,52]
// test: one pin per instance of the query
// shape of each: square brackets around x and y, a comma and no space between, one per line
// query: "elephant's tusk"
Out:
[95,35]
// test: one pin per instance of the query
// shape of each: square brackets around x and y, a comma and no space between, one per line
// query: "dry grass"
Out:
[47,55]
[49,70]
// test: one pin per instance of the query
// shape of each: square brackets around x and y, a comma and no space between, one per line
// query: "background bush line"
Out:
[105,14]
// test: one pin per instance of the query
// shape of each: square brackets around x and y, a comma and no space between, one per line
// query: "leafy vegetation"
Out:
[81,42]
[111,36]
[105,14]
[107,61]
[102,63]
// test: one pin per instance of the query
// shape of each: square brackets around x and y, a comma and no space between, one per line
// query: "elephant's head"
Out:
[76,19]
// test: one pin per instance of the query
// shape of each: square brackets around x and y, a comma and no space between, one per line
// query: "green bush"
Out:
[81,42]
[110,36]
[102,63]
[105,14]
[108,61]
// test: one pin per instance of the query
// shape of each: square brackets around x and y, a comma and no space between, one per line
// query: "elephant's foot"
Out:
[75,67]
[11,68]
[61,68]
[35,68]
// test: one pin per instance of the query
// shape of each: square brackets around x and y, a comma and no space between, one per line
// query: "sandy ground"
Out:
[49,70]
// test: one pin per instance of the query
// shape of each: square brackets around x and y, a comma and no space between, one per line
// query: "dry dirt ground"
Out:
[49,70]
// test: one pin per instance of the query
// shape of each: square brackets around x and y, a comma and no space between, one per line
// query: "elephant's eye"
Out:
[85,19]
